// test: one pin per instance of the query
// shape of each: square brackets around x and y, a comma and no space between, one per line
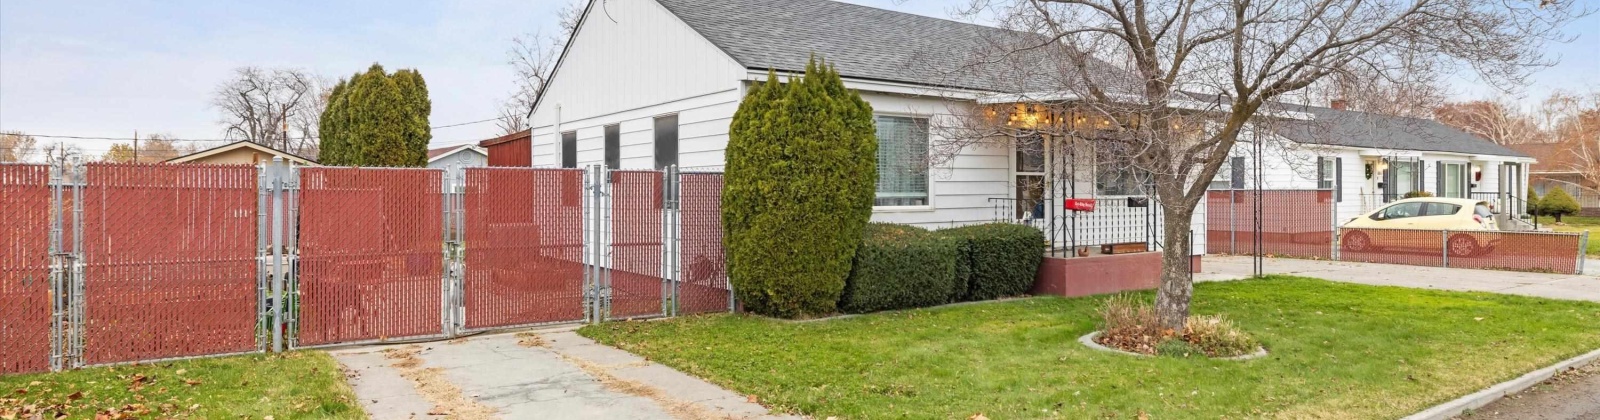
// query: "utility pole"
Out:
[136,146]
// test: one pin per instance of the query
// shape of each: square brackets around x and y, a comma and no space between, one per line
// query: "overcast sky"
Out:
[108,68]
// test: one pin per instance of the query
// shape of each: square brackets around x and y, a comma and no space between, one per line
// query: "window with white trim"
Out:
[902,161]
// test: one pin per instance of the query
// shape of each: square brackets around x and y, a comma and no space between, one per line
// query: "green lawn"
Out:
[1575,224]
[298,385]
[1337,351]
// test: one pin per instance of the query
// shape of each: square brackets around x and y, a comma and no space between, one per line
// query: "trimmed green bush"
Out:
[1002,259]
[802,169]
[898,267]
[1558,203]
[1417,194]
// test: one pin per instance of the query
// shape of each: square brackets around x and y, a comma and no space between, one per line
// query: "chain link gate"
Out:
[117,263]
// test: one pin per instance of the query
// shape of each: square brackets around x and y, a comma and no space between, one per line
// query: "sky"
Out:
[110,68]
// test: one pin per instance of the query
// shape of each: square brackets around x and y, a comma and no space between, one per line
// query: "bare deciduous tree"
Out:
[17,147]
[1166,88]
[278,108]
[153,148]
[1573,122]
[1500,121]
[533,59]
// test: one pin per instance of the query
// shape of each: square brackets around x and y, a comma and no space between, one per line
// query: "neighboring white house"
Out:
[462,156]
[1370,159]
[653,83]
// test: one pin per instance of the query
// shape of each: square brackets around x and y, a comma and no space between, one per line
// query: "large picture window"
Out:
[902,161]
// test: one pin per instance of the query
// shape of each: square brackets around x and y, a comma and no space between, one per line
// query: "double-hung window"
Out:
[1330,174]
[902,161]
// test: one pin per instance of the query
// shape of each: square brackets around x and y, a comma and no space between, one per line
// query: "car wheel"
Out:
[1463,246]
[1356,242]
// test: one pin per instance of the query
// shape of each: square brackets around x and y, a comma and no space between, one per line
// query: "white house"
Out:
[653,83]
[462,156]
[1370,159]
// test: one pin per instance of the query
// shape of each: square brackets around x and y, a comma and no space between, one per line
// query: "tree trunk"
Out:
[1177,282]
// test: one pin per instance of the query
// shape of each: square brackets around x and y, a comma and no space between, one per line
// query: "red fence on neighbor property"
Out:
[703,277]
[1294,223]
[371,254]
[1492,250]
[170,255]
[25,288]
[523,246]
[636,240]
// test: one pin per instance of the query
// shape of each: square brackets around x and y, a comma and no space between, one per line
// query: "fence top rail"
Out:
[166,165]
[520,169]
[1486,231]
[367,168]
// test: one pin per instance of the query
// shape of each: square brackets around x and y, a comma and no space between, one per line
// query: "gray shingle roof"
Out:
[1360,129]
[864,42]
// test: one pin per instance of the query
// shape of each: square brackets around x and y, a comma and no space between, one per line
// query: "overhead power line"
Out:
[59,136]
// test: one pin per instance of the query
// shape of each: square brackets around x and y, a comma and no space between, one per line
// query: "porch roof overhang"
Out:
[1184,104]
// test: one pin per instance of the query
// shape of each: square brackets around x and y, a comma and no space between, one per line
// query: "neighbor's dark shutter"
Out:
[1238,169]
[569,149]
[613,146]
[1388,179]
[666,141]
[1338,180]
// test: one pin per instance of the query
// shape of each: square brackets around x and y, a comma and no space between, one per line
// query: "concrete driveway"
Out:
[1554,286]
[553,373]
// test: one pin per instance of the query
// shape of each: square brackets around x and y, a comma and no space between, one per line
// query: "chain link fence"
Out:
[1301,224]
[119,263]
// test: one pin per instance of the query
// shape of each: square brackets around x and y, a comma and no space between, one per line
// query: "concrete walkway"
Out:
[1554,286]
[544,374]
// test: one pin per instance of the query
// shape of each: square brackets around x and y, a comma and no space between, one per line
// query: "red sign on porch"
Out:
[1080,204]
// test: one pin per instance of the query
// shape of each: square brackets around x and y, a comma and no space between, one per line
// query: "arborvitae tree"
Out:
[801,175]
[1558,203]
[377,119]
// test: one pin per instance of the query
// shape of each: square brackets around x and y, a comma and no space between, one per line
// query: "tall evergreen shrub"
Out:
[800,178]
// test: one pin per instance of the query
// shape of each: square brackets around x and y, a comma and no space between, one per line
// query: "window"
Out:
[1120,180]
[1224,178]
[613,144]
[569,149]
[1399,211]
[666,141]
[1237,170]
[1452,179]
[1440,209]
[1030,168]
[902,161]
[1330,176]
[1403,176]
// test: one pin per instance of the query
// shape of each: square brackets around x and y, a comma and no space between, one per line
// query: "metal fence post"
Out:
[1583,248]
[76,298]
[1233,222]
[58,270]
[292,257]
[277,254]
[1444,247]
[263,314]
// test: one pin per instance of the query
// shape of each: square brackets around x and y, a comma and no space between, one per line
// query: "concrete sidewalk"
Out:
[545,374]
[1554,286]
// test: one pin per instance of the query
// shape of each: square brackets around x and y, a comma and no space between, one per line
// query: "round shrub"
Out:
[1002,259]
[800,178]
[1558,203]
[898,267]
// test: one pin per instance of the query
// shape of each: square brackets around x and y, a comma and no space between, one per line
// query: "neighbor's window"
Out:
[902,161]
[613,146]
[666,141]
[1224,178]
[1330,175]
[1453,179]
[569,149]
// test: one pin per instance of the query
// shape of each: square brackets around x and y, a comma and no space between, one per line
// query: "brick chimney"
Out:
[1339,104]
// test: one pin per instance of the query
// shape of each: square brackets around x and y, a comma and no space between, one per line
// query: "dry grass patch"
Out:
[447,399]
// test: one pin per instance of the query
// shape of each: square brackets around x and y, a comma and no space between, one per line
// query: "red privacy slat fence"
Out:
[523,246]
[25,306]
[1294,223]
[704,276]
[169,254]
[636,240]
[371,254]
